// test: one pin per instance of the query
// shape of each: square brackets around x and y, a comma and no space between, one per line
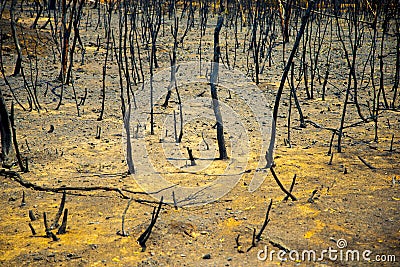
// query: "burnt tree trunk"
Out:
[18,64]
[52,5]
[304,20]
[214,93]
[5,130]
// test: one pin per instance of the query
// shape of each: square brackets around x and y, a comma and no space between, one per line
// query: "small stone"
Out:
[229,259]
[207,257]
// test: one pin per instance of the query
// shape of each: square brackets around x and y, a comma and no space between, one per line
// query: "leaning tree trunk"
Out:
[214,94]
[304,20]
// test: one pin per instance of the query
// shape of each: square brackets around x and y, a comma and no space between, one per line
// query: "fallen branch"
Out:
[145,201]
[318,126]
[366,163]
[277,245]
[17,177]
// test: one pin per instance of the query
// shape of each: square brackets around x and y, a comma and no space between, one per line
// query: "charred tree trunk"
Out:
[77,17]
[39,8]
[214,94]
[304,20]
[5,130]
[110,8]
[172,82]
[18,64]
[52,4]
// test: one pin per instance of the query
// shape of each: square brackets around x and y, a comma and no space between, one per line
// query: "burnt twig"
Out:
[281,186]
[46,225]
[253,241]
[330,160]
[123,232]
[267,220]
[391,144]
[190,152]
[291,187]
[174,199]
[32,229]
[277,245]
[311,199]
[23,203]
[98,132]
[32,216]
[238,246]
[146,234]
[63,227]
[59,212]
[54,237]
[204,140]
